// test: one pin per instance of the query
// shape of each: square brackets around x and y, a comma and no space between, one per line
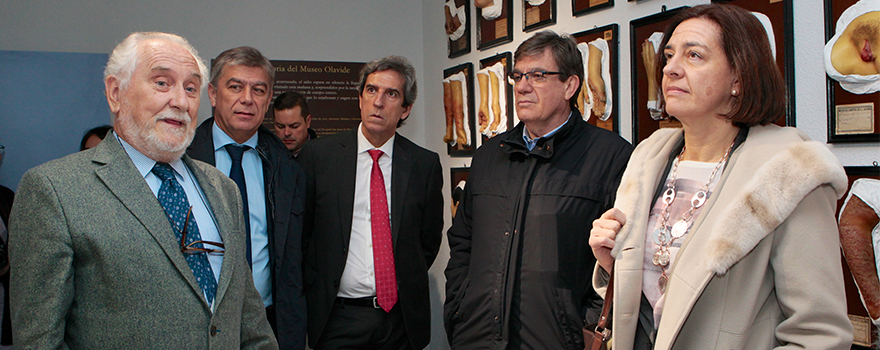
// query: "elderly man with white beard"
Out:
[131,244]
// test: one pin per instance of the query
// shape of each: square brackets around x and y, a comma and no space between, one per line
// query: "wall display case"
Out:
[538,14]
[458,105]
[580,7]
[777,15]
[457,182]
[598,100]
[645,36]
[863,329]
[853,94]
[458,29]
[495,113]
[494,25]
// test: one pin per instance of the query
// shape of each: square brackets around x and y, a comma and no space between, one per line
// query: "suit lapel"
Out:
[634,195]
[125,182]
[347,170]
[401,165]
[202,146]
[217,204]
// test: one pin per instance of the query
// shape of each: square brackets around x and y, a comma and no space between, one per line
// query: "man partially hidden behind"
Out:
[374,215]
[293,121]
[132,244]
[520,264]
[272,185]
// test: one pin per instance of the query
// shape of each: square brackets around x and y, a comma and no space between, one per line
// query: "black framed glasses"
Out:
[535,76]
[193,247]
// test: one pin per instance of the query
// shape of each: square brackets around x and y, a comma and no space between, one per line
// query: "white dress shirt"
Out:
[358,278]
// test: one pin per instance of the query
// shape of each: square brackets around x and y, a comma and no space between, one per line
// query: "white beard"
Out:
[144,137]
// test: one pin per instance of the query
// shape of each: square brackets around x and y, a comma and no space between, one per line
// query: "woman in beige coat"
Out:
[723,234]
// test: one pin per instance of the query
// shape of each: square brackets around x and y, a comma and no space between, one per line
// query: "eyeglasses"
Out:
[534,77]
[192,248]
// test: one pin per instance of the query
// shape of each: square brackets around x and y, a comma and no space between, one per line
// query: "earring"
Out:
[733,93]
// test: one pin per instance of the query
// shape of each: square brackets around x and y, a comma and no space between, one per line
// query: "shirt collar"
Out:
[221,139]
[143,163]
[365,145]
[531,142]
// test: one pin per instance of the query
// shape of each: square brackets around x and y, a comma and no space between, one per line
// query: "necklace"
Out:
[668,235]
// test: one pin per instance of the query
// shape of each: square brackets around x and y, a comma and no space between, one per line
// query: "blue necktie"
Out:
[173,199]
[236,173]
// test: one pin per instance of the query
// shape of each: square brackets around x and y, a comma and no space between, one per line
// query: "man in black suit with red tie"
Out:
[373,221]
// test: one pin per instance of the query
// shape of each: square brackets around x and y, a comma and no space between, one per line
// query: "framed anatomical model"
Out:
[598,98]
[458,105]
[458,32]
[538,14]
[645,36]
[493,22]
[776,16]
[457,182]
[495,112]
[580,7]
[853,71]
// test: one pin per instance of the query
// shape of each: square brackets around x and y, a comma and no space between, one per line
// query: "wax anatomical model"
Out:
[649,52]
[851,56]
[483,116]
[492,113]
[456,104]
[447,108]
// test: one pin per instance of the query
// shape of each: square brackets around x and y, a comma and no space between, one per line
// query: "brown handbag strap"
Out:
[606,308]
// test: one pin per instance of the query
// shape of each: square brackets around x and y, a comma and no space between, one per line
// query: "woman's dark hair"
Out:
[100,132]
[762,96]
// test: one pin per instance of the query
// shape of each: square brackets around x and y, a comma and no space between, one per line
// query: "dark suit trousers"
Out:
[364,327]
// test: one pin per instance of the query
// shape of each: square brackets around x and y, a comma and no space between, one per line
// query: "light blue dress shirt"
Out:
[531,142]
[256,194]
[204,217]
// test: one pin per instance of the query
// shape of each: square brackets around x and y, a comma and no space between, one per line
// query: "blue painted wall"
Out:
[49,99]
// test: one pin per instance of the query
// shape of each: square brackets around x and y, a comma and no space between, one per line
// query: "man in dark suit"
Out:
[272,185]
[132,244]
[374,215]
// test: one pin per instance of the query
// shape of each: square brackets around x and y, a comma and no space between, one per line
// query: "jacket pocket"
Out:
[569,318]
[452,311]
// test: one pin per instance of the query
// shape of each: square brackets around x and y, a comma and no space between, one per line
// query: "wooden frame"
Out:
[540,16]
[854,124]
[506,59]
[864,330]
[462,45]
[610,34]
[780,14]
[581,7]
[497,31]
[643,125]
[456,175]
[467,77]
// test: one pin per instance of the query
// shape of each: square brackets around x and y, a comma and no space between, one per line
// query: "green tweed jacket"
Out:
[96,265]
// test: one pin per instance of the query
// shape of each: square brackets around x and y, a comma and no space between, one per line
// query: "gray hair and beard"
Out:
[144,138]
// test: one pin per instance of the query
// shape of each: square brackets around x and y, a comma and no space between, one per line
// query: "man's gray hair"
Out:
[241,56]
[398,64]
[124,57]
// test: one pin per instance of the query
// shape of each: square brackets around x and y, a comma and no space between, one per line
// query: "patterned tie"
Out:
[383,252]
[236,173]
[173,199]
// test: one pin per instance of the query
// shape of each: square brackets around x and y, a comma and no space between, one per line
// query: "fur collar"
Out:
[761,203]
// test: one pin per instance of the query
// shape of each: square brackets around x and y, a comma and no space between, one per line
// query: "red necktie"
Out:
[383,252]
